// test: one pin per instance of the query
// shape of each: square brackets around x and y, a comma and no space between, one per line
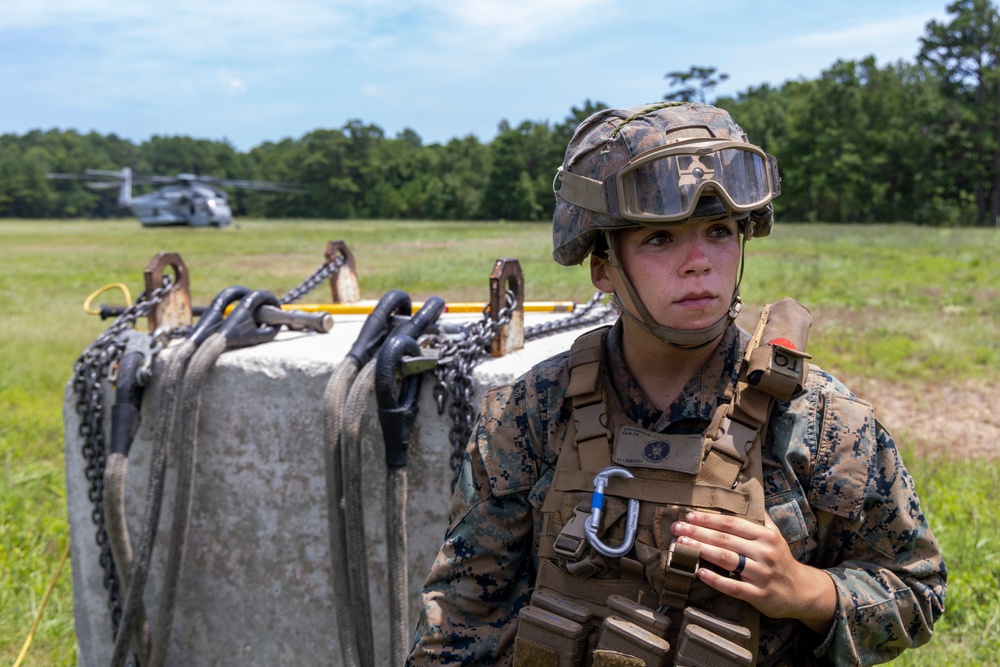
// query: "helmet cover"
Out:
[607,140]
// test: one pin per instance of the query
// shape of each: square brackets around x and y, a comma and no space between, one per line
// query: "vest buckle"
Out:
[680,571]
[734,440]
[572,540]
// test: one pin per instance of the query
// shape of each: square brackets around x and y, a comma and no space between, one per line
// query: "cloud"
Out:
[886,31]
[501,24]
[454,66]
[126,39]
[186,28]
[232,85]
[369,89]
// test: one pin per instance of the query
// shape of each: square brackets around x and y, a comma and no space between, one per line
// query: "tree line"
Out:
[907,141]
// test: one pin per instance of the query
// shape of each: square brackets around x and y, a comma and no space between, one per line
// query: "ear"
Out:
[599,274]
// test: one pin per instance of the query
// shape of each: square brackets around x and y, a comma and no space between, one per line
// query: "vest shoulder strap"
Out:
[586,390]
[586,361]
[775,362]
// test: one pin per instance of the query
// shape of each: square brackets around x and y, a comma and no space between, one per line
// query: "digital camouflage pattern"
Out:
[834,484]
[606,141]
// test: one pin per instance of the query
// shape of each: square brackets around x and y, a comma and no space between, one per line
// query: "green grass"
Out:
[961,499]
[908,304]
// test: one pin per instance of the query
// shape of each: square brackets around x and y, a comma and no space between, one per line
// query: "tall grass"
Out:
[908,304]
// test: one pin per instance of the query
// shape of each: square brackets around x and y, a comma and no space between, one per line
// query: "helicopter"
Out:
[184,199]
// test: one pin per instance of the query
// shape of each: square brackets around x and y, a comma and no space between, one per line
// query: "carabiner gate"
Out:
[592,524]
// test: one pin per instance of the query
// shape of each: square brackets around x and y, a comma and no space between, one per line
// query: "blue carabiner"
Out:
[592,524]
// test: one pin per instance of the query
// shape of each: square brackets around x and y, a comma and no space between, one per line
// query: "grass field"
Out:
[918,308]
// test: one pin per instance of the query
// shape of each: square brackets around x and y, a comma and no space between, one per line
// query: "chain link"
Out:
[460,350]
[313,281]
[595,311]
[458,357]
[90,375]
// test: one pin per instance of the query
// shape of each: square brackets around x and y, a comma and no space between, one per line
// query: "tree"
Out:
[693,83]
[563,132]
[464,174]
[858,144]
[523,161]
[966,55]
[22,185]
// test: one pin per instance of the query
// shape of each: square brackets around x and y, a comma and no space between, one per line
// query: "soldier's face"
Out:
[685,275]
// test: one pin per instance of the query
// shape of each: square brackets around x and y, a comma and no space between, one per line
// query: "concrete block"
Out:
[255,588]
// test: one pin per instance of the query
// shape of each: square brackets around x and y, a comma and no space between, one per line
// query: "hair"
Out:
[600,249]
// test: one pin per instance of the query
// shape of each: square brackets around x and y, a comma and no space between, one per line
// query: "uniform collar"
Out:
[703,392]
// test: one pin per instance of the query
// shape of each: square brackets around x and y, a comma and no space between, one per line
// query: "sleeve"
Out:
[878,548]
[483,571]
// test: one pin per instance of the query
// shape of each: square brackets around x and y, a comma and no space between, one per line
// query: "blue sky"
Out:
[263,70]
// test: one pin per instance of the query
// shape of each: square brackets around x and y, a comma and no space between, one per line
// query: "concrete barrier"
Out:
[255,588]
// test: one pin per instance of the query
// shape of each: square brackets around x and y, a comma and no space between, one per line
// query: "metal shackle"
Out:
[592,524]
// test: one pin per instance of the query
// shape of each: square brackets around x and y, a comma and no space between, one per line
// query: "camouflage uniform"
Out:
[834,482]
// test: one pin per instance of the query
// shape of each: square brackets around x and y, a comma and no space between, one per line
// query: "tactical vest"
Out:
[626,593]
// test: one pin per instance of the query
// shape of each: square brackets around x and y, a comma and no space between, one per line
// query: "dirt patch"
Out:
[953,421]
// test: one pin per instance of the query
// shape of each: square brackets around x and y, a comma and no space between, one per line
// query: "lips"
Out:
[696,300]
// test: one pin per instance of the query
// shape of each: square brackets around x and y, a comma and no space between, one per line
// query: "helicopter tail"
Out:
[125,193]
[125,176]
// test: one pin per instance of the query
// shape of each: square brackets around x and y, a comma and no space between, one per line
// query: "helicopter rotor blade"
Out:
[267,186]
[149,178]
[76,177]
[89,180]
[99,179]
[103,172]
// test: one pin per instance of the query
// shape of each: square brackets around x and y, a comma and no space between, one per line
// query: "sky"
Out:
[256,71]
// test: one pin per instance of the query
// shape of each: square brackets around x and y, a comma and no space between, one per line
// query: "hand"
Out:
[772,580]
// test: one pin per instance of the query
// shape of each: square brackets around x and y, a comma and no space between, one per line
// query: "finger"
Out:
[726,559]
[711,536]
[724,523]
[731,586]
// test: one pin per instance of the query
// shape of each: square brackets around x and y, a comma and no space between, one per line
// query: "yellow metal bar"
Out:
[364,307]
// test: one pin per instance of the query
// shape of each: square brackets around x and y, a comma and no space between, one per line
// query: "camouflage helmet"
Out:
[611,139]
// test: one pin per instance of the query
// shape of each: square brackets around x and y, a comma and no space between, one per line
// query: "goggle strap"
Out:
[582,191]
[684,339]
[609,238]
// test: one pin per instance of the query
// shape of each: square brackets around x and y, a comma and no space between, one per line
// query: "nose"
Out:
[696,260]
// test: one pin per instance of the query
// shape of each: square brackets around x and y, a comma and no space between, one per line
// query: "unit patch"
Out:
[647,449]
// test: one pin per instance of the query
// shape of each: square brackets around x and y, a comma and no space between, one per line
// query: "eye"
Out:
[722,230]
[658,238]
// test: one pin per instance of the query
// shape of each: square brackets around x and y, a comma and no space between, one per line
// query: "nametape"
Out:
[662,451]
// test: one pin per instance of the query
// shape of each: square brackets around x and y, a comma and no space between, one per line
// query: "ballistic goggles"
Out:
[664,184]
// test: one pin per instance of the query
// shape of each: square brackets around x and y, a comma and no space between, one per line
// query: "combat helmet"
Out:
[660,165]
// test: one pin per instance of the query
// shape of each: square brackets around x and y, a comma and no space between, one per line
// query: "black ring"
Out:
[740,565]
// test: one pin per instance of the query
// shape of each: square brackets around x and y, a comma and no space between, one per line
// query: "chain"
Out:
[90,372]
[310,283]
[90,375]
[460,355]
[585,315]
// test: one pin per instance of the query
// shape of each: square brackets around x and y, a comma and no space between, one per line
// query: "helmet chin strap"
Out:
[684,339]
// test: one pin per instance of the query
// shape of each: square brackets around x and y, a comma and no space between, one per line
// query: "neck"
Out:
[660,369]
